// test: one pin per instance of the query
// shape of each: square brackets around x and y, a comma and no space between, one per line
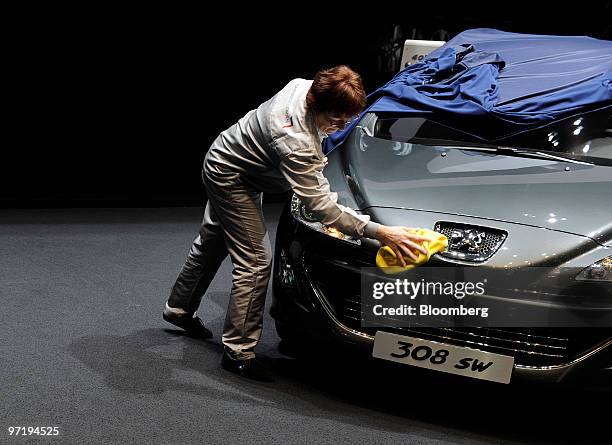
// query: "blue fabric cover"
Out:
[515,79]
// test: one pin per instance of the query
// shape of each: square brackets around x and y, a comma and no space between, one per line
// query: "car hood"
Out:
[548,193]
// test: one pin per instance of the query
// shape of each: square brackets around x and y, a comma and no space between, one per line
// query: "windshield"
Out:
[586,136]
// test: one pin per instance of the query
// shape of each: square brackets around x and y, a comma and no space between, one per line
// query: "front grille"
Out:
[536,347]
[528,346]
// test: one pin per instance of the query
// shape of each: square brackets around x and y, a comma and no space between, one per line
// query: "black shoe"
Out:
[193,325]
[251,368]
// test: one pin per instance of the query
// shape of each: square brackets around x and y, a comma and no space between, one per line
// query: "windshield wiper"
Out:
[537,154]
[510,151]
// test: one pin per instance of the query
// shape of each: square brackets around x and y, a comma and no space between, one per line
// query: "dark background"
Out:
[122,114]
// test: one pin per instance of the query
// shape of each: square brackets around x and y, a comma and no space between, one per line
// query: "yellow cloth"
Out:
[390,264]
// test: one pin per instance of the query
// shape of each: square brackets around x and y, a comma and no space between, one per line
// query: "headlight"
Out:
[299,212]
[600,271]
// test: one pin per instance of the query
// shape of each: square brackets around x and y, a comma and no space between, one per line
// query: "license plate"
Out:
[442,357]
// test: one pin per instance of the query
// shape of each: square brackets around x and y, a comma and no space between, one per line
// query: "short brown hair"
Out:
[337,90]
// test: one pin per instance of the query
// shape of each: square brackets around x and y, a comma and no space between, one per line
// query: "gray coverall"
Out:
[274,148]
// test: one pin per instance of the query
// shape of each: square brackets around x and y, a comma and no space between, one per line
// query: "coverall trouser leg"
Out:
[203,261]
[235,212]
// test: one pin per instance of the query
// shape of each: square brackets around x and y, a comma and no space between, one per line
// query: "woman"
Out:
[274,148]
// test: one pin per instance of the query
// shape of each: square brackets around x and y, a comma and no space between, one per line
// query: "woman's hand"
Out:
[401,241]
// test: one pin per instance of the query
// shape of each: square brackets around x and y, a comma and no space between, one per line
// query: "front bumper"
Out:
[316,294]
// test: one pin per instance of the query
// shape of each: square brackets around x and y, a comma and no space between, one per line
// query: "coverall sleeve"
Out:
[303,169]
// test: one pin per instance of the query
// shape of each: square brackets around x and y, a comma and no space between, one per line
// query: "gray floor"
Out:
[84,348]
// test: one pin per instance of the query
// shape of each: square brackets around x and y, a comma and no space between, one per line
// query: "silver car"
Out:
[540,198]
